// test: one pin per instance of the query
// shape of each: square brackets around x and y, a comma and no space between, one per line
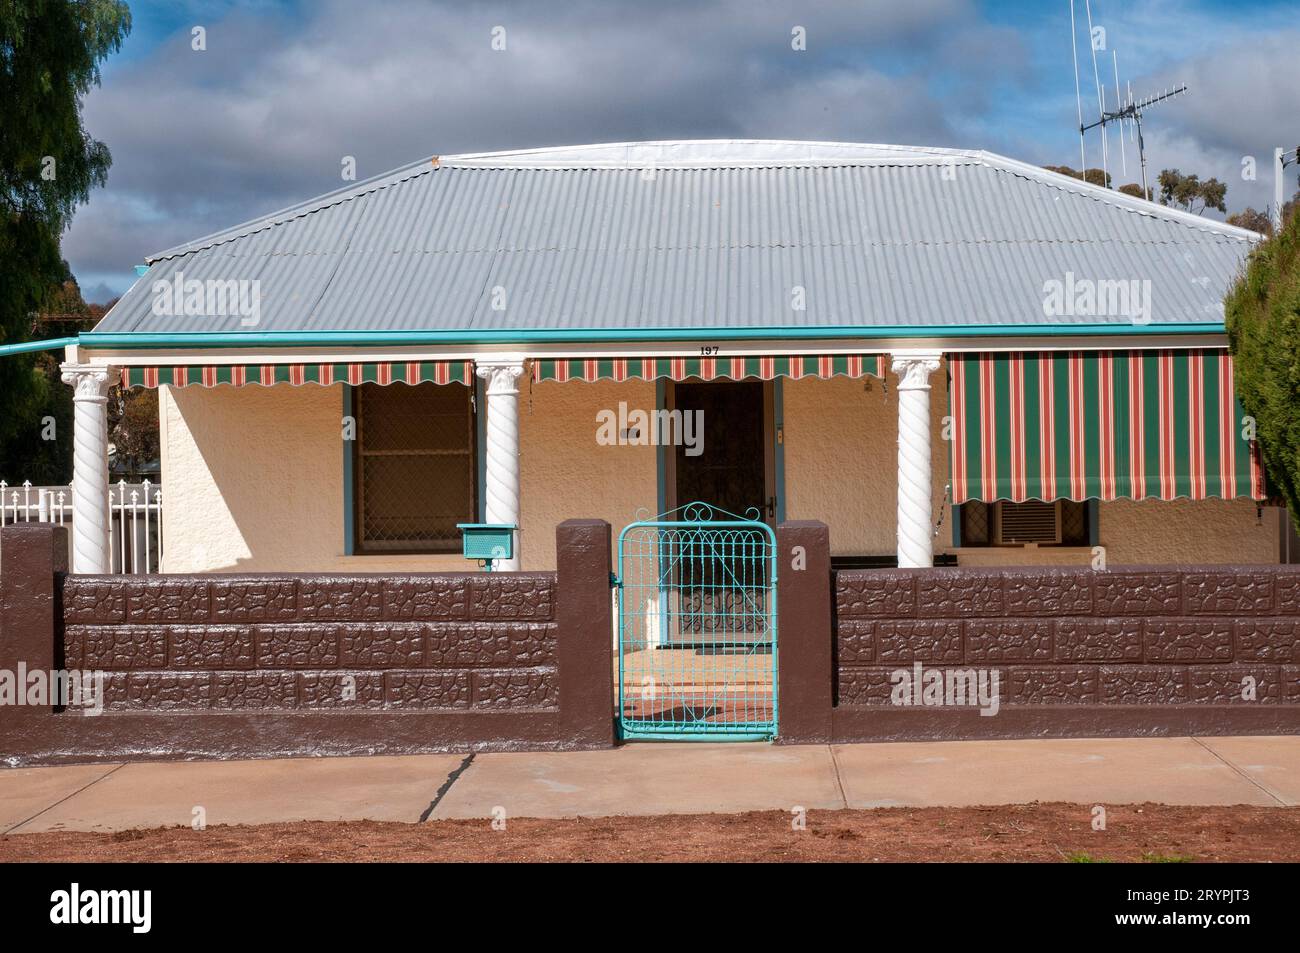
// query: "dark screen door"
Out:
[729,471]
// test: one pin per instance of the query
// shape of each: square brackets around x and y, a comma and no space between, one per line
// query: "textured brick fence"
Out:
[1129,651]
[475,642]
[1078,651]
[294,664]
[231,666]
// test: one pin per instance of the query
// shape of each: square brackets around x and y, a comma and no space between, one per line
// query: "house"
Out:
[943,355]
[875,356]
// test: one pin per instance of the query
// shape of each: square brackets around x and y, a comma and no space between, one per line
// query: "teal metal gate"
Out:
[697,626]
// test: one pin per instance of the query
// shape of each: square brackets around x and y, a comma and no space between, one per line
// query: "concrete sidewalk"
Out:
[654,779]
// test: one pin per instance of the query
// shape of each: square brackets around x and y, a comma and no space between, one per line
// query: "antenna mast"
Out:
[1101,99]
[1078,98]
[1127,109]
[1133,111]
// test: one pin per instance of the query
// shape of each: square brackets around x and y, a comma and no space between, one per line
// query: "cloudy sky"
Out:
[262,118]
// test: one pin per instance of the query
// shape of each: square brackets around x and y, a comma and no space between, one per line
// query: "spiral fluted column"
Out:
[502,477]
[915,490]
[90,516]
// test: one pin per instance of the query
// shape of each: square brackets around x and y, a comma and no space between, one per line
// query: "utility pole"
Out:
[1281,159]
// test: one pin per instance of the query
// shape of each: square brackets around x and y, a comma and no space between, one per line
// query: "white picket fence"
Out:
[136,510]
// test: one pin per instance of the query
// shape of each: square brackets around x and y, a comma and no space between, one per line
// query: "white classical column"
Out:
[502,478]
[915,491]
[90,514]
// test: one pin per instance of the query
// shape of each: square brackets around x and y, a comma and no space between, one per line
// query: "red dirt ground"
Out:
[1026,832]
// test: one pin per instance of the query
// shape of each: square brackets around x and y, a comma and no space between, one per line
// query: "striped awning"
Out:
[707,368]
[387,372]
[1099,424]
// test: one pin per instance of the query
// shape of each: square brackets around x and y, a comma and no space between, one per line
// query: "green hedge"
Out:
[1262,313]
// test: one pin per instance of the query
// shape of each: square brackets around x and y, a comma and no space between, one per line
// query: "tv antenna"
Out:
[1127,109]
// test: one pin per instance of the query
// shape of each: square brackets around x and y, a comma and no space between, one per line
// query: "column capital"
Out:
[89,381]
[502,376]
[914,368]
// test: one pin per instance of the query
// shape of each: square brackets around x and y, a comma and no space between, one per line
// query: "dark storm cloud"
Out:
[263,117]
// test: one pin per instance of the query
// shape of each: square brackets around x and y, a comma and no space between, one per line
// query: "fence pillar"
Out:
[584,615]
[804,639]
[31,556]
[90,513]
[502,463]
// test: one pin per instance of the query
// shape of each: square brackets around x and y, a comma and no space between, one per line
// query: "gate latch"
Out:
[613,581]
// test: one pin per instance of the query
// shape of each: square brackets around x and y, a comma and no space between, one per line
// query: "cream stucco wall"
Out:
[1186,531]
[253,481]
[841,459]
[564,474]
[253,476]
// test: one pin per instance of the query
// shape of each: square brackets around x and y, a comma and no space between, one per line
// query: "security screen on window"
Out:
[414,467]
[1045,523]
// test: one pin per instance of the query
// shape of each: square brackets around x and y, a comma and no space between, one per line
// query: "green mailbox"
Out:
[487,541]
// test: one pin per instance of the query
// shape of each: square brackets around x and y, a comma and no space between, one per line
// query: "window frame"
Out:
[356,543]
[1091,516]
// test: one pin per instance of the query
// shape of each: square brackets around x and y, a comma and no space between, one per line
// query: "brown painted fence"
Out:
[1076,652]
[231,665]
[265,665]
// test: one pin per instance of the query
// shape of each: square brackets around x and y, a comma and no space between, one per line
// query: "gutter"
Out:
[26,346]
[109,340]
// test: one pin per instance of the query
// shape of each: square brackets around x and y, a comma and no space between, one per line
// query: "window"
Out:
[413,467]
[1051,523]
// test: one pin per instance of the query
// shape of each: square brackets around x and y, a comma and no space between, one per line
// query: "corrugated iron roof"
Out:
[699,235]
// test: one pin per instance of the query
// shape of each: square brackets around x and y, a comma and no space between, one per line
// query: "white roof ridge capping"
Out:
[704,154]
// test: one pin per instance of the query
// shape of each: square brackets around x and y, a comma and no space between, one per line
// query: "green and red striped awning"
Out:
[1099,424]
[707,368]
[386,372]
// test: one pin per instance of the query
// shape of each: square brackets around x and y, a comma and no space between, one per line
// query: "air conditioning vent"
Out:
[1029,522]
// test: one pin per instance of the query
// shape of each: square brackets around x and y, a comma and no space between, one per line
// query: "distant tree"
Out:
[50,56]
[1190,194]
[1253,220]
[1100,177]
[1094,176]
[1262,314]
[133,428]
[1135,190]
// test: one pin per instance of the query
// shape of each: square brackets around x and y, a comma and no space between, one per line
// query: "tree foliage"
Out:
[1098,177]
[50,56]
[1262,313]
[1260,221]
[29,453]
[1093,176]
[1190,194]
[1252,219]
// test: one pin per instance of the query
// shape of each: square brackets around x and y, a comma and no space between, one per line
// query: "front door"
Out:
[730,466]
